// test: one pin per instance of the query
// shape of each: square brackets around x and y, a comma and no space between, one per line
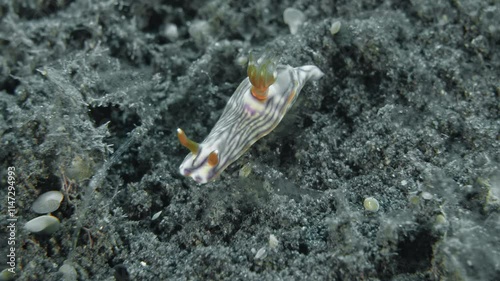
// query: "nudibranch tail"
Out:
[262,74]
[309,72]
[185,141]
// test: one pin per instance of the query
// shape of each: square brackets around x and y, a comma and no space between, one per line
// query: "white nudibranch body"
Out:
[253,111]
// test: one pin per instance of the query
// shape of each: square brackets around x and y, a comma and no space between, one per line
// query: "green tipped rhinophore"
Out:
[262,74]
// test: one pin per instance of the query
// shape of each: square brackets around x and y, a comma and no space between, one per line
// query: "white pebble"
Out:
[294,18]
[261,253]
[273,241]
[171,32]
[334,29]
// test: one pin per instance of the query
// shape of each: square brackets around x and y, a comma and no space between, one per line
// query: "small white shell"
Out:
[6,275]
[245,170]
[335,28]
[426,195]
[47,202]
[43,224]
[273,241]
[156,215]
[69,272]
[261,253]
[371,204]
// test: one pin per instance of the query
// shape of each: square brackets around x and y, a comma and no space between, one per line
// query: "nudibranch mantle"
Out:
[252,112]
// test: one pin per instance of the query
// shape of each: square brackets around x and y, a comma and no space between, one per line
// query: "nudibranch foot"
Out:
[253,111]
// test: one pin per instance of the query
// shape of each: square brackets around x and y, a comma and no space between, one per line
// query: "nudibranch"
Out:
[253,111]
